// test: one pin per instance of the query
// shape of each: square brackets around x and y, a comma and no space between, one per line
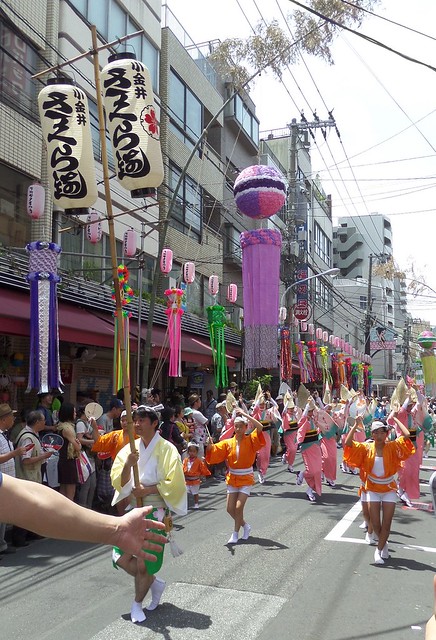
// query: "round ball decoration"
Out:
[427,340]
[260,191]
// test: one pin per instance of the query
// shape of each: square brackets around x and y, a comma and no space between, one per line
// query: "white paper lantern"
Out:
[35,200]
[64,114]
[166,260]
[189,272]
[303,326]
[131,119]
[325,336]
[129,243]
[282,314]
[214,285]
[332,340]
[94,231]
[232,293]
[311,329]
[318,333]
[337,342]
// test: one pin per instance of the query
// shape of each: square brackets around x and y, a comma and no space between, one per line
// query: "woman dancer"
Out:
[265,411]
[239,452]
[380,461]
[308,437]
[290,417]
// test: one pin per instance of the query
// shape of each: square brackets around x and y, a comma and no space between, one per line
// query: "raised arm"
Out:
[357,426]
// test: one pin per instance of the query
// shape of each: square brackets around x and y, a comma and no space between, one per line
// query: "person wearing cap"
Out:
[194,469]
[380,461]
[106,421]
[239,452]
[7,461]
[161,484]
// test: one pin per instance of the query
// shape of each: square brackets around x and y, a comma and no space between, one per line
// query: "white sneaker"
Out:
[331,483]
[310,494]
[196,506]
[363,525]
[369,538]
[233,538]
[405,498]
[284,458]
[157,588]
[300,478]
[377,557]
[261,478]
[355,471]
[247,531]
[385,552]
[136,612]
[290,468]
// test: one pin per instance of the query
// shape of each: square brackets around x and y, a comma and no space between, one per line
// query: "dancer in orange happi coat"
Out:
[239,452]
[194,469]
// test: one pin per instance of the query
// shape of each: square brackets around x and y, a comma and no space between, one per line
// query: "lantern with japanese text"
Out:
[232,293]
[131,119]
[35,200]
[189,272]
[129,243]
[214,285]
[94,232]
[63,109]
[318,333]
[166,261]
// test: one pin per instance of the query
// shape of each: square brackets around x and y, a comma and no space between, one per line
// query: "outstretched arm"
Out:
[33,506]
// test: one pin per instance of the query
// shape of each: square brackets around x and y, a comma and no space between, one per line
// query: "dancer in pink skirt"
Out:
[308,437]
[290,417]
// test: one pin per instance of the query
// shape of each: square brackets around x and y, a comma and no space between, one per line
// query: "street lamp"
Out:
[330,272]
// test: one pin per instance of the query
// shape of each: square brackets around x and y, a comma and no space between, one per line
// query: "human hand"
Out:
[20,451]
[46,455]
[132,534]
[142,491]
[132,459]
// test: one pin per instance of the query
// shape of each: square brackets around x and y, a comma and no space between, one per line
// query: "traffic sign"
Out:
[302,312]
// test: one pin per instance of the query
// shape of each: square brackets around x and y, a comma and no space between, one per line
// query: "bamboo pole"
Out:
[113,250]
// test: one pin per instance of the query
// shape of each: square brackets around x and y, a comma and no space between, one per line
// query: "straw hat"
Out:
[303,396]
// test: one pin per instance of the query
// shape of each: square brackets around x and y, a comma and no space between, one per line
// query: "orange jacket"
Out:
[240,466]
[198,468]
[362,455]
[110,443]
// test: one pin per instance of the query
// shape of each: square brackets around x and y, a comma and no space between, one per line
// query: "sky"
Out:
[384,107]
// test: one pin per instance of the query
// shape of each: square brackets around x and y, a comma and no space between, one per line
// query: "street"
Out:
[304,574]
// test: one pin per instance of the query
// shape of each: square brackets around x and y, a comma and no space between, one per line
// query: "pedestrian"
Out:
[194,469]
[308,437]
[380,461]
[209,405]
[106,421]
[266,413]
[290,417]
[170,431]
[200,422]
[239,452]
[87,434]
[162,484]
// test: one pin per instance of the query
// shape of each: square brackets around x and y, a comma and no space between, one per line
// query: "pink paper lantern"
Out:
[166,261]
[337,342]
[319,333]
[35,200]
[311,329]
[232,293]
[189,272]
[332,340]
[342,343]
[94,232]
[214,285]
[303,326]
[129,243]
[325,336]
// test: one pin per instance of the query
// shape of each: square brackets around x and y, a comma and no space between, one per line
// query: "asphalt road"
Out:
[304,574]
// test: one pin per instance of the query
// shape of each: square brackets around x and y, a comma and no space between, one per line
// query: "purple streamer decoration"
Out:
[44,367]
[260,277]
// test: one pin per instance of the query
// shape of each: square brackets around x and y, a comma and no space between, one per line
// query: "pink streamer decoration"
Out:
[174,314]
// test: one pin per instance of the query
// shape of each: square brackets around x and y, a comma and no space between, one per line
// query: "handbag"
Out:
[83,468]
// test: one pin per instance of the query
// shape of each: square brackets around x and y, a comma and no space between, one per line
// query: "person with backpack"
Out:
[169,430]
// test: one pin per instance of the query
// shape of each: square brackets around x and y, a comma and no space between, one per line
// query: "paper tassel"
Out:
[216,317]
[285,354]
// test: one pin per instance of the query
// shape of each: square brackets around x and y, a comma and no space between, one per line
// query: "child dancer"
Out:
[194,468]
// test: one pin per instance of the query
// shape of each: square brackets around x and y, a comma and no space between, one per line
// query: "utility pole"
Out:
[368,319]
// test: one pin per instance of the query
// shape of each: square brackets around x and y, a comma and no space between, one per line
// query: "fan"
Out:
[83,354]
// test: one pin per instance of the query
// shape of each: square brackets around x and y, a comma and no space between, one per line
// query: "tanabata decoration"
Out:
[216,317]
[174,312]
[348,371]
[285,354]
[44,367]
[126,294]
[327,379]
[260,191]
[302,361]
[315,372]
[427,341]
[66,129]
[132,122]
[261,248]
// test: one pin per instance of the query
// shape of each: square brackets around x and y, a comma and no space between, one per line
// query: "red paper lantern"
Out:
[166,261]
[214,285]
[232,293]
[94,231]
[129,243]
[35,200]
[189,272]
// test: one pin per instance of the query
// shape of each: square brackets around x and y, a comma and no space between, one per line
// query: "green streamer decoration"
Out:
[216,317]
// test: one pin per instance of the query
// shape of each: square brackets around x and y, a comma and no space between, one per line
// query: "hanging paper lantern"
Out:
[131,119]
[311,329]
[166,260]
[94,232]
[64,114]
[342,343]
[214,285]
[332,340]
[189,272]
[232,293]
[282,314]
[260,191]
[325,336]
[35,200]
[304,326]
[337,342]
[260,276]
[319,333]
[129,243]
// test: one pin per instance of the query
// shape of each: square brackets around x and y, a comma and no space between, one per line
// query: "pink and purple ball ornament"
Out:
[427,340]
[260,191]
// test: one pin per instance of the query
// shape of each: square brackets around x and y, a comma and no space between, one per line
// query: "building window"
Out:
[186,112]
[362,302]
[323,295]
[18,62]
[113,22]
[187,212]
[323,245]
[14,221]
[246,119]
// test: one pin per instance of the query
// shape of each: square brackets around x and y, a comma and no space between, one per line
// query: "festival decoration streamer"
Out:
[355,376]
[44,367]
[315,371]
[360,378]
[216,317]
[326,375]
[126,293]
[285,354]
[427,342]
[304,375]
[174,312]
[348,371]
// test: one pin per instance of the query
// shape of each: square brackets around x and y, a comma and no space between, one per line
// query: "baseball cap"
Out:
[5,410]
[116,403]
[233,385]
[377,424]
[187,411]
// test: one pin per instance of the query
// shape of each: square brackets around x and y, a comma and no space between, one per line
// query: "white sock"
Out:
[247,530]
[157,588]
[136,612]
